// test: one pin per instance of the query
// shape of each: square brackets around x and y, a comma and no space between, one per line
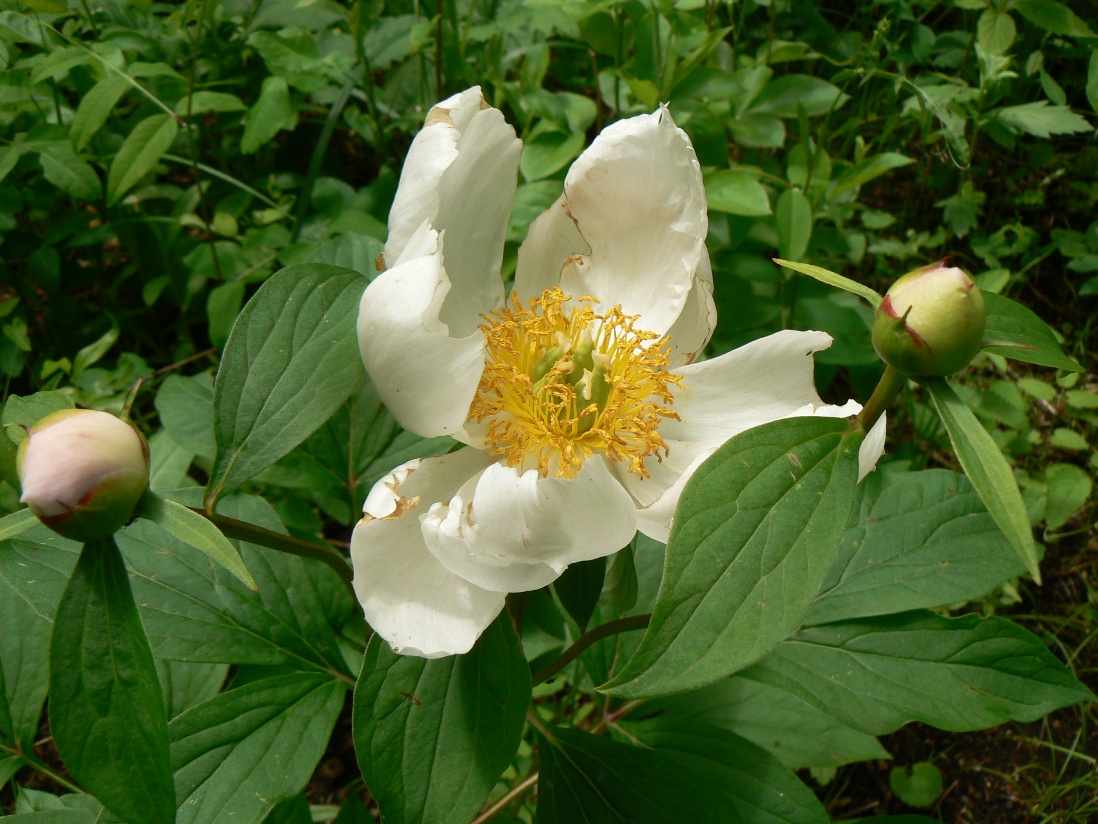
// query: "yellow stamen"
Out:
[562,385]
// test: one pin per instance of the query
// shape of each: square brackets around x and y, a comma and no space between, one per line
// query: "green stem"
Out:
[35,764]
[597,634]
[888,387]
[232,528]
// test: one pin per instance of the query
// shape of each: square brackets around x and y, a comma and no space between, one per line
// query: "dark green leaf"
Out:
[95,107]
[783,95]
[196,611]
[988,471]
[926,541]
[106,709]
[756,530]
[37,566]
[794,731]
[186,684]
[69,172]
[434,736]
[694,772]
[794,219]
[291,361]
[24,664]
[579,589]
[292,811]
[185,406]
[967,673]
[140,152]
[271,113]
[1054,17]
[1014,331]
[238,753]
[16,523]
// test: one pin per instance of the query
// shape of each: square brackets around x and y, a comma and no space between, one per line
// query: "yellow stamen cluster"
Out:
[560,385]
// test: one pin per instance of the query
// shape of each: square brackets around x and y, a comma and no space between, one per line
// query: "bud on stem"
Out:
[931,322]
[83,472]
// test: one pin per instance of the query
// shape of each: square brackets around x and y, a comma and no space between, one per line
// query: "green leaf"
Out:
[185,406]
[24,674]
[106,709]
[926,540]
[222,308]
[95,107]
[195,530]
[1064,437]
[755,532]
[988,471]
[1014,331]
[1054,17]
[186,684]
[70,173]
[237,754]
[833,279]
[868,170]
[37,565]
[784,95]
[1041,120]
[271,113]
[737,193]
[291,361]
[140,152]
[794,220]
[996,31]
[94,351]
[917,786]
[205,101]
[434,736]
[549,152]
[197,611]
[956,674]
[692,772]
[16,523]
[1069,489]
[579,589]
[795,732]
[341,461]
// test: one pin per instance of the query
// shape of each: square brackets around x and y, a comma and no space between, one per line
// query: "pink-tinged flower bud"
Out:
[83,472]
[931,322]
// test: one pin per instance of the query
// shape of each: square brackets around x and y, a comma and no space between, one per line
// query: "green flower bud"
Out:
[931,322]
[83,472]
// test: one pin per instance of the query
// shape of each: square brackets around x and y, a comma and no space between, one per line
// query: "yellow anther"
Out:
[560,386]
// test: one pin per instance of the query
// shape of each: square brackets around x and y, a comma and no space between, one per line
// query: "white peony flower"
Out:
[578,398]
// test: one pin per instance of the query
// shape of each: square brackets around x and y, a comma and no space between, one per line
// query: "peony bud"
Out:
[931,322]
[83,472]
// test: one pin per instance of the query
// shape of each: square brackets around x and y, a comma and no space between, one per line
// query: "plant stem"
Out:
[244,531]
[888,387]
[597,634]
[35,764]
[514,793]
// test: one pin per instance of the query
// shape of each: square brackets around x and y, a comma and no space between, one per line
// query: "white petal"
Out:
[552,239]
[426,378]
[694,326]
[514,531]
[460,177]
[654,520]
[872,447]
[763,381]
[637,197]
[409,598]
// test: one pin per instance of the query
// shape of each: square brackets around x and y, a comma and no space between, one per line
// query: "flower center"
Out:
[560,385]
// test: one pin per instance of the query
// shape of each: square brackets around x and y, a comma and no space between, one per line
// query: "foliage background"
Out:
[159,161]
